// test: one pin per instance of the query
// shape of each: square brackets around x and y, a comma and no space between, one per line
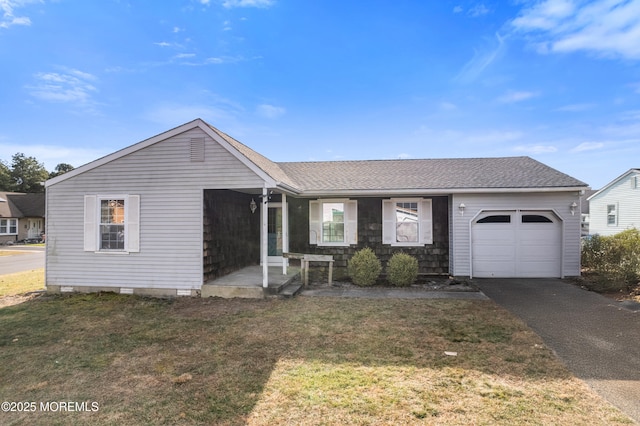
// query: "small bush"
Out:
[364,267]
[614,259]
[402,270]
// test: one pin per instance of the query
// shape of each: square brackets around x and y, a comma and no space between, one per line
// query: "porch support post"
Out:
[265,255]
[285,233]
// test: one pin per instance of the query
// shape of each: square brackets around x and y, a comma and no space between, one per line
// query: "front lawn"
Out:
[21,282]
[131,360]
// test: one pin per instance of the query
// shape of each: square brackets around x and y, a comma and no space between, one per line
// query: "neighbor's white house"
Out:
[182,209]
[616,206]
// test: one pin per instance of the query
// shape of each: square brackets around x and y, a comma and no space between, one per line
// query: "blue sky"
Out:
[328,80]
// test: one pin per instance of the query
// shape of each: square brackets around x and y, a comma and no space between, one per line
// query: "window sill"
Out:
[333,244]
[111,252]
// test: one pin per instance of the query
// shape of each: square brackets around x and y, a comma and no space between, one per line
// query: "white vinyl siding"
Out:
[558,203]
[407,222]
[168,253]
[333,222]
[616,208]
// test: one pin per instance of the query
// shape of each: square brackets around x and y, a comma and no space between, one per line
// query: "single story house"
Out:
[183,208]
[616,206]
[21,216]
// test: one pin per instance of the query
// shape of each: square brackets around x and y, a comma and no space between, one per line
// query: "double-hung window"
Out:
[407,222]
[111,223]
[333,222]
[8,226]
[612,215]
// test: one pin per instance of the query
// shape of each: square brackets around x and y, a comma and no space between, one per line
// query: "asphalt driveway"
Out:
[596,337]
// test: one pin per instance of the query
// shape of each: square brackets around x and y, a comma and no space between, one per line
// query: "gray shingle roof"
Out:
[19,205]
[455,173]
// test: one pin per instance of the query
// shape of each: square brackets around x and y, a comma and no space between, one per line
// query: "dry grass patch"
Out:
[21,282]
[298,361]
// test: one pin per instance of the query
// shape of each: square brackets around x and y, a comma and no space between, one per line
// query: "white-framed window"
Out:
[407,221]
[112,223]
[635,182]
[8,226]
[333,222]
[612,214]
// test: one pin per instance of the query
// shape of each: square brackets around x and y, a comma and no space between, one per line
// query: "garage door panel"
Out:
[529,245]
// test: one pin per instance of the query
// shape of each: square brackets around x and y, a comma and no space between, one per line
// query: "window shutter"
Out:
[133,223]
[351,221]
[90,223]
[315,222]
[388,222]
[426,222]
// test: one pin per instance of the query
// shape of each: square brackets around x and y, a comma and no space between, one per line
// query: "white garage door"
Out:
[510,244]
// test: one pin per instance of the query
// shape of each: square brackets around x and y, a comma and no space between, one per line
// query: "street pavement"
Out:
[26,258]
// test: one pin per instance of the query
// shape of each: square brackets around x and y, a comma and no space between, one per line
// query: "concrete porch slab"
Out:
[247,283]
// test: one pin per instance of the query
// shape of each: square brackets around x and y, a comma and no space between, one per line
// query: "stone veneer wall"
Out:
[231,233]
[432,259]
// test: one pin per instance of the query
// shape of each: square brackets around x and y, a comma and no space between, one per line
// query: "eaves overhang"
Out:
[432,191]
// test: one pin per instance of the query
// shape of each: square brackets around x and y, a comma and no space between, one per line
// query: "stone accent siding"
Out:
[432,259]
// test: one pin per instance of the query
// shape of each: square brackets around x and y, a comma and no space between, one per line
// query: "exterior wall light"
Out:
[253,206]
[461,207]
[572,208]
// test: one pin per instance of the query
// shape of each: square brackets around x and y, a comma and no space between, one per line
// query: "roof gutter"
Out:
[434,191]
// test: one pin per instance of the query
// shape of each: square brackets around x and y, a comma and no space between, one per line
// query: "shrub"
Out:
[364,267]
[614,259]
[402,269]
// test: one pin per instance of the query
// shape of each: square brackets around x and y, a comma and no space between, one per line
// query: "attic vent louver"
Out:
[197,150]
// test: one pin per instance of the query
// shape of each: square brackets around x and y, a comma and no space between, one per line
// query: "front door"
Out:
[274,233]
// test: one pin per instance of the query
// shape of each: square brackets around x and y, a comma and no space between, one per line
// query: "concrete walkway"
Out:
[396,293]
[596,337]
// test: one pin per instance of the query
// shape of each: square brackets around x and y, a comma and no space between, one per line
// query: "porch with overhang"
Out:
[245,233]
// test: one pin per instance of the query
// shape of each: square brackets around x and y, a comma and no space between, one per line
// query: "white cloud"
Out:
[404,156]
[458,9]
[447,106]
[247,3]
[9,18]
[609,28]
[535,149]
[480,61]
[587,146]
[478,10]
[270,111]
[576,107]
[70,86]
[513,96]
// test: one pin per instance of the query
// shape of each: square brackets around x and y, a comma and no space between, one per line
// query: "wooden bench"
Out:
[304,263]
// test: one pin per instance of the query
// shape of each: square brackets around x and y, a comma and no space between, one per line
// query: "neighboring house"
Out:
[192,204]
[21,216]
[584,210]
[616,206]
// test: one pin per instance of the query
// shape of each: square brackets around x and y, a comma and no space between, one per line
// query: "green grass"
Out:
[21,282]
[296,361]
